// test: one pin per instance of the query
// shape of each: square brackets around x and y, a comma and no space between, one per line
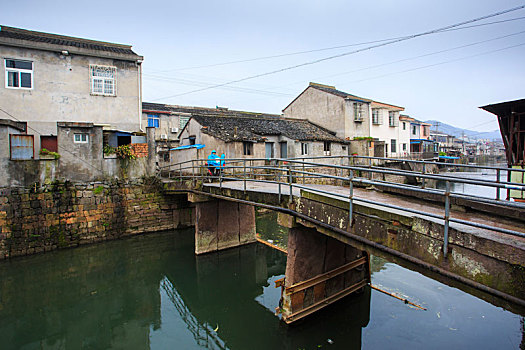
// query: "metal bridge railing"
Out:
[343,171]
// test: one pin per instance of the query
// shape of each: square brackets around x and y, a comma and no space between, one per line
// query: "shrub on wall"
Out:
[125,152]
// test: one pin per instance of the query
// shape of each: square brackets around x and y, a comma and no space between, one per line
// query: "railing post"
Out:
[497,181]
[180,171]
[351,200]
[244,173]
[192,173]
[290,181]
[447,216]
[220,176]
[423,172]
[279,179]
[303,171]
[370,167]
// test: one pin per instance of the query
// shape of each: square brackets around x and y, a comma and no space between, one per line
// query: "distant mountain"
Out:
[452,130]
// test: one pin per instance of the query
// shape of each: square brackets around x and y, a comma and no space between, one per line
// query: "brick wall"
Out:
[65,215]
[140,149]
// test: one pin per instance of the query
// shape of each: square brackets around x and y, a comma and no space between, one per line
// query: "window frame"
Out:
[393,146]
[304,148]
[81,136]
[358,112]
[155,118]
[104,80]
[19,72]
[247,148]
[327,148]
[376,116]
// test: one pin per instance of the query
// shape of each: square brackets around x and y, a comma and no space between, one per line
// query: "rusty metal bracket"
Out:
[325,276]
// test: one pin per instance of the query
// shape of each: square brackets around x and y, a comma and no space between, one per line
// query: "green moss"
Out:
[98,190]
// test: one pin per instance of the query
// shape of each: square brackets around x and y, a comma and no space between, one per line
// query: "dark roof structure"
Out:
[256,128]
[332,90]
[39,40]
[218,111]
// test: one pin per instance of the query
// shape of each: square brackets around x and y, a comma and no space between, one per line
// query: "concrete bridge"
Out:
[335,219]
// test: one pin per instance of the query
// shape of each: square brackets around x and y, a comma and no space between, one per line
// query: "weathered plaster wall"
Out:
[66,215]
[321,108]
[61,92]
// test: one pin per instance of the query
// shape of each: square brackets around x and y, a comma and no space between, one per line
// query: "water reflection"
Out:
[152,292]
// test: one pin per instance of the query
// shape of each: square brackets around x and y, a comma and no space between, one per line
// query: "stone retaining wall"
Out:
[62,215]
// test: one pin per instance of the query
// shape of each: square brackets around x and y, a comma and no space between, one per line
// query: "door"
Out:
[21,147]
[269,150]
[284,149]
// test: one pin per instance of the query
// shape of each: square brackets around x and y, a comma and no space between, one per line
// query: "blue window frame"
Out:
[153,120]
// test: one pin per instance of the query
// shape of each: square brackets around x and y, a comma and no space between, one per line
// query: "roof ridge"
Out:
[63,37]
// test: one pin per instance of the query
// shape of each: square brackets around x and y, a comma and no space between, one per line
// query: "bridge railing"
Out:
[350,171]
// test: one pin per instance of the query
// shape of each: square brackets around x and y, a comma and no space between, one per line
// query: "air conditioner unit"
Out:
[174,130]
[163,137]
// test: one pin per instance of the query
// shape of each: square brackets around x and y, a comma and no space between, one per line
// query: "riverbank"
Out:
[65,214]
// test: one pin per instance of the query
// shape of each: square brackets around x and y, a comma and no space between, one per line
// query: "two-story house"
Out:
[48,78]
[349,116]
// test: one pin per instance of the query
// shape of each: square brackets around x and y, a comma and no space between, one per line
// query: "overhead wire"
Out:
[390,42]
[439,63]
[326,48]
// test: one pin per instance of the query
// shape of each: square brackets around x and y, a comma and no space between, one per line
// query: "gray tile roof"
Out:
[256,128]
[65,41]
[148,106]
[339,93]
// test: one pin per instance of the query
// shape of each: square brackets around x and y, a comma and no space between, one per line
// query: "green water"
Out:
[152,292]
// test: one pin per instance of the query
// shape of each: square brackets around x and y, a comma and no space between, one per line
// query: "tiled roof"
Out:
[66,41]
[243,128]
[332,90]
[219,111]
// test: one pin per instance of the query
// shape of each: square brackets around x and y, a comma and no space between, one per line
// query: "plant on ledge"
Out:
[109,150]
[45,152]
[125,152]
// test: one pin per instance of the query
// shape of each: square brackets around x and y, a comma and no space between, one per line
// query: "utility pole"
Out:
[437,124]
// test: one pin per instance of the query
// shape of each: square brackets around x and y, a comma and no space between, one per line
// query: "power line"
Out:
[439,63]
[348,53]
[326,48]
[199,83]
[58,146]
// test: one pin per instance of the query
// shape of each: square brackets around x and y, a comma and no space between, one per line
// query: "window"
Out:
[103,80]
[192,140]
[393,146]
[18,74]
[404,126]
[404,147]
[81,138]
[326,148]
[182,122]
[153,121]
[392,119]
[414,130]
[376,117]
[425,131]
[304,148]
[247,148]
[358,112]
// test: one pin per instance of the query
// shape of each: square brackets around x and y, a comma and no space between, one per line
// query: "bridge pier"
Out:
[223,224]
[319,271]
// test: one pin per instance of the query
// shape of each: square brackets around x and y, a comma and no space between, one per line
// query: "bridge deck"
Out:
[403,202]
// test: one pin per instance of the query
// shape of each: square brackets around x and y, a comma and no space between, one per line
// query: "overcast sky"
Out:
[185,44]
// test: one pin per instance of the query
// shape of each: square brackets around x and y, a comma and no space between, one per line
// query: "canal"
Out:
[152,292]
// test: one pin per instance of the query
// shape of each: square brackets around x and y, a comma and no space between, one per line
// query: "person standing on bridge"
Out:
[213,163]
[222,163]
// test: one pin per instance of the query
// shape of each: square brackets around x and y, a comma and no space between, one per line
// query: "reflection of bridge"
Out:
[203,334]
[474,240]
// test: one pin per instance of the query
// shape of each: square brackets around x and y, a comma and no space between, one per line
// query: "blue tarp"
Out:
[197,146]
[448,157]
